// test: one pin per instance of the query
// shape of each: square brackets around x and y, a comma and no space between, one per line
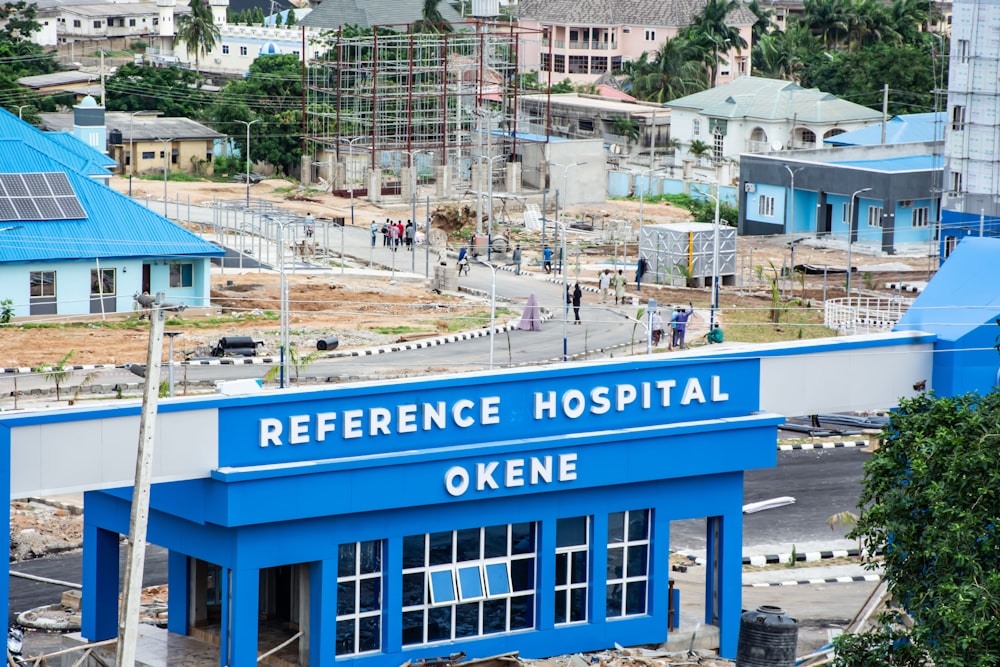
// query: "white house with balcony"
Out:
[757,115]
[582,41]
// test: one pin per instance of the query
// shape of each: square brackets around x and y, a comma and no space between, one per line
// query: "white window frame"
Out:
[962,49]
[874,216]
[243,50]
[696,126]
[566,590]
[921,216]
[765,206]
[625,579]
[358,616]
[225,49]
[650,35]
[483,565]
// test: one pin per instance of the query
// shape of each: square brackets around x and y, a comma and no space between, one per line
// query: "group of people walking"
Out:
[394,234]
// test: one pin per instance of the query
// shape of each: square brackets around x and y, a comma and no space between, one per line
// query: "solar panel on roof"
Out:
[38,196]
[14,185]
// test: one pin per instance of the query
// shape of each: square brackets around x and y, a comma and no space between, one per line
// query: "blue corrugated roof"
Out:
[74,144]
[71,156]
[902,129]
[116,226]
[907,163]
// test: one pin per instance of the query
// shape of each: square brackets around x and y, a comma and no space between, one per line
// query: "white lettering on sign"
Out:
[377,421]
[539,471]
[574,403]
[465,413]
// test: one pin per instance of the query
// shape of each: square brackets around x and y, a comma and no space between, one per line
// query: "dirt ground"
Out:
[367,310]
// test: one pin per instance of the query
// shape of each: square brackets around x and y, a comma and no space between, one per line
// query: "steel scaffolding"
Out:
[396,98]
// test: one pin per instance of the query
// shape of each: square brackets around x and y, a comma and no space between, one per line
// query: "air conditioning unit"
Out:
[906,203]
[627,31]
[749,187]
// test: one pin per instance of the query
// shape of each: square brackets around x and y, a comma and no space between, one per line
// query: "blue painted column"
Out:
[100,583]
[724,578]
[599,569]
[5,487]
[323,612]
[178,603]
[225,583]
[243,614]
[545,551]
[392,589]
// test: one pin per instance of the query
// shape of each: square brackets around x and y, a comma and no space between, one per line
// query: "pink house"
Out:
[583,40]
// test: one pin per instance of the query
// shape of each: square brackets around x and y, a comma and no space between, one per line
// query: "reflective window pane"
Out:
[370,633]
[494,616]
[571,532]
[371,557]
[441,553]
[467,620]
[413,627]
[522,574]
[413,589]
[616,561]
[413,551]
[522,537]
[468,544]
[497,579]
[346,560]
[370,594]
[438,623]
[345,637]
[560,616]
[638,525]
[637,560]
[635,599]
[616,527]
[578,605]
[614,607]
[345,598]
[579,567]
[442,587]
[470,582]
[522,612]
[562,564]
[495,542]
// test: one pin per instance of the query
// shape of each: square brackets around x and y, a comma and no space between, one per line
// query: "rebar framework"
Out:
[417,99]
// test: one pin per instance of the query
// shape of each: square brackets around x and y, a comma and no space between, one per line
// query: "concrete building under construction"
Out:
[394,108]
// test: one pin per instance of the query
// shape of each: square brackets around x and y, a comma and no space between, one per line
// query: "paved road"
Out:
[26,594]
[822,481]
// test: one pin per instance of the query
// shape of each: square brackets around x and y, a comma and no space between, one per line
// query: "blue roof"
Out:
[115,227]
[962,296]
[902,129]
[73,144]
[906,163]
[71,156]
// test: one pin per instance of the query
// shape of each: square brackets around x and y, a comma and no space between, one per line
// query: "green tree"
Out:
[931,506]
[19,57]
[271,91]
[764,24]
[711,35]
[431,19]
[198,30]
[675,70]
[55,373]
[291,19]
[699,149]
[172,90]
[626,127]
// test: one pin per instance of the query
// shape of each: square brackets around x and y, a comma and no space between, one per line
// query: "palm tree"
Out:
[781,55]
[909,17]
[198,30]
[674,71]
[699,149]
[709,32]
[828,19]
[431,19]
[628,128]
[764,25]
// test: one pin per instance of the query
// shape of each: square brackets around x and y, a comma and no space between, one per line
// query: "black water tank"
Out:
[115,137]
[768,638]
[329,343]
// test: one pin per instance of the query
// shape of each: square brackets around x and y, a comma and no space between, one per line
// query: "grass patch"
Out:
[134,323]
[284,190]
[401,329]
[753,325]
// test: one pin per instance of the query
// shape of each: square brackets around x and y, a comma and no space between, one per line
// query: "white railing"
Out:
[862,314]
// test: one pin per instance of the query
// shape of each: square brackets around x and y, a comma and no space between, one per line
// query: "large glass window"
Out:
[359,597]
[628,563]
[468,583]
[572,569]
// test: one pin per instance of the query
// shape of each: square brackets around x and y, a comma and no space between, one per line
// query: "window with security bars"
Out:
[468,583]
[921,216]
[572,569]
[874,216]
[359,597]
[628,563]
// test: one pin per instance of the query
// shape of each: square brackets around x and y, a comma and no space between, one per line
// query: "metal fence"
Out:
[861,314]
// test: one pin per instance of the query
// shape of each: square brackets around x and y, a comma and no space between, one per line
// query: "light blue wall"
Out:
[618,184]
[905,232]
[753,206]
[804,205]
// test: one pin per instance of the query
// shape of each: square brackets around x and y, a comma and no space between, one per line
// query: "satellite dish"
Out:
[776,146]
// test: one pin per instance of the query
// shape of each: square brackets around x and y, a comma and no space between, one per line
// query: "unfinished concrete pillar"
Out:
[375,186]
[305,169]
[443,186]
[513,182]
[406,183]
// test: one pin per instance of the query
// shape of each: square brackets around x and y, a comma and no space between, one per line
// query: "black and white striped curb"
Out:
[904,287]
[48,369]
[776,559]
[811,582]
[838,444]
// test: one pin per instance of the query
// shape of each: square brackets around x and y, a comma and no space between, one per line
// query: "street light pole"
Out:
[248,124]
[715,259]
[20,108]
[562,251]
[493,304]
[850,239]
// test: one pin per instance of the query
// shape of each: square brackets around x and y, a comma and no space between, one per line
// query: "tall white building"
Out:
[972,139]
